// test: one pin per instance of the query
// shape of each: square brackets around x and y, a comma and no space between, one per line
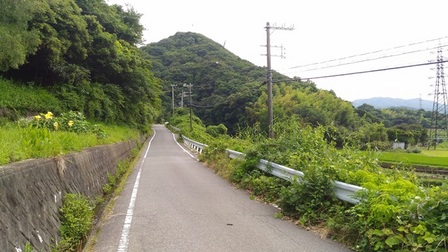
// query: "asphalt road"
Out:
[172,202]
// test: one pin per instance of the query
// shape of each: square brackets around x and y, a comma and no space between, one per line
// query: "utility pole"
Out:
[182,98]
[269,74]
[189,89]
[172,97]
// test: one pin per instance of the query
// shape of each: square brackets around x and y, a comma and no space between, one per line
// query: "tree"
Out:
[16,39]
[87,54]
[125,24]
[63,44]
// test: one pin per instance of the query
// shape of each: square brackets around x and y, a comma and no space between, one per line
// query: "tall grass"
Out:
[18,143]
[23,98]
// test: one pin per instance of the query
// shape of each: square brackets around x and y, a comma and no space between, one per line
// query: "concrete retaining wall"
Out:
[31,192]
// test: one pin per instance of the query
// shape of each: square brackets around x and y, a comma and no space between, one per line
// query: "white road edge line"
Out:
[124,239]
[191,155]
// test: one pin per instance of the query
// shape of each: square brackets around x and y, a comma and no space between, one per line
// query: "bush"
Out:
[20,99]
[402,217]
[77,217]
[216,130]
[98,102]
[70,121]
[310,199]
[414,150]
[264,186]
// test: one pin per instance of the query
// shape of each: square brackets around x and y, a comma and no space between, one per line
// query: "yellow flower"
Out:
[37,117]
[70,123]
[56,125]
[48,115]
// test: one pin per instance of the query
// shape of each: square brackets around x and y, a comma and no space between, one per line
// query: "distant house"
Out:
[398,145]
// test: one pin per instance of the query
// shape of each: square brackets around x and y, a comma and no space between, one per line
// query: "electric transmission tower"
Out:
[269,72]
[439,120]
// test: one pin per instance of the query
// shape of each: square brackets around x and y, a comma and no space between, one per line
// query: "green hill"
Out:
[224,85]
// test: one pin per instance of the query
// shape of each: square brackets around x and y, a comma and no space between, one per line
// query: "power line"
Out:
[202,106]
[372,59]
[373,71]
[373,52]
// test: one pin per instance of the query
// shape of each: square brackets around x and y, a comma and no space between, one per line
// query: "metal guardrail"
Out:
[197,146]
[280,171]
[346,192]
[235,154]
[343,191]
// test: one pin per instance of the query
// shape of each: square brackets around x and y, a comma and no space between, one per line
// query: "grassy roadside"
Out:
[19,143]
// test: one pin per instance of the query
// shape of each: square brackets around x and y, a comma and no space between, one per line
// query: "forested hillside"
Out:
[85,53]
[223,84]
[229,90]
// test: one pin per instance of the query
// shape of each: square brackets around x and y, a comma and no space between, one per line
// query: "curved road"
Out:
[174,203]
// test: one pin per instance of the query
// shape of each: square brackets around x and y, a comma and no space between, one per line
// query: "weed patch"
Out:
[76,221]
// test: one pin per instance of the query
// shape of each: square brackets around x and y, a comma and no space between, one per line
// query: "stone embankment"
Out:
[31,192]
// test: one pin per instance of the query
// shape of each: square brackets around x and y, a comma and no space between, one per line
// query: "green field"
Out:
[437,158]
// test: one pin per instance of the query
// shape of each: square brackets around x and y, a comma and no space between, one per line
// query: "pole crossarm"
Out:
[283,27]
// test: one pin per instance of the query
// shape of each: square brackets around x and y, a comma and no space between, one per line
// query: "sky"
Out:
[401,32]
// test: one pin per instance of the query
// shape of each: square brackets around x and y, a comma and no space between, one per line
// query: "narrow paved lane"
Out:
[174,203]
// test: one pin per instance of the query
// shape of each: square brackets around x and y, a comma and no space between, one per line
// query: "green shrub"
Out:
[69,121]
[98,102]
[264,186]
[77,217]
[310,199]
[19,143]
[216,130]
[28,248]
[414,150]
[18,100]
[402,217]
[114,179]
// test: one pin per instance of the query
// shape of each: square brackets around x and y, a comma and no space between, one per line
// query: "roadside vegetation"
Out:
[72,77]
[28,134]
[80,214]
[19,143]
[396,213]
